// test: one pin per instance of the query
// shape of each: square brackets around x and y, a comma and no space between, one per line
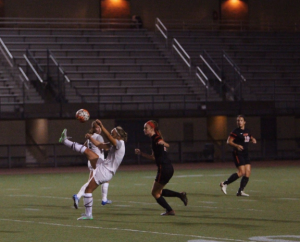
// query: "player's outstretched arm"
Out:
[97,143]
[112,140]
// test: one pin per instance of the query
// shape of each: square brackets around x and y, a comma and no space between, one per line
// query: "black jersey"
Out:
[241,137]
[161,156]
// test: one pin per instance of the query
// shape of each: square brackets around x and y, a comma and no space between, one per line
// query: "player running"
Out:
[165,169]
[239,140]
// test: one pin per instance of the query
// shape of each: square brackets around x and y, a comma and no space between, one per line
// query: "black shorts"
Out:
[240,159]
[164,174]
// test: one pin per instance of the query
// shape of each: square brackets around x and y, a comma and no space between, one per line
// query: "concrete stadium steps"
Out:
[263,58]
[131,60]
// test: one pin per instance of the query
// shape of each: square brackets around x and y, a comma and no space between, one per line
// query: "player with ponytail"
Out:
[165,169]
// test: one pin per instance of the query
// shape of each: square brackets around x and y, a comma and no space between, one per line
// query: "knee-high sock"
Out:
[162,202]
[75,146]
[243,184]
[170,193]
[82,190]
[104,188]
[88,203]
[231,179]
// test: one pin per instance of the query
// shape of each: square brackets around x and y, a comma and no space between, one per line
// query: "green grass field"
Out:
[40,208]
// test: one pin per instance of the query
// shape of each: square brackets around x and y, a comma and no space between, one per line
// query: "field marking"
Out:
[120,229]
[31,209]
[143,203]
[187,176]
[288,198]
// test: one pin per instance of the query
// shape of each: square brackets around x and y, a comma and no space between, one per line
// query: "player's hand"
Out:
[137,151]
[161,142]
[99,122]
[240,148]
[253,140]
[87,136]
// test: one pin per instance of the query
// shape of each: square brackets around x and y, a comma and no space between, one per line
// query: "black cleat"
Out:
[183,198]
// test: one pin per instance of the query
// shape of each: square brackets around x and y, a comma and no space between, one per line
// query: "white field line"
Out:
[187,176]
[143,203]
[119,229]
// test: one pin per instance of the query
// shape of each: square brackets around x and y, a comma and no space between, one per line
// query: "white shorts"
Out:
[99,161]
[101,174]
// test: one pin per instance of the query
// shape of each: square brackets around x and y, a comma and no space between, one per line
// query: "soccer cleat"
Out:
[241,193]
[63,136]
[223,187]
[76,200]
[183,198]
[106,202]
[85,217]
[172,212]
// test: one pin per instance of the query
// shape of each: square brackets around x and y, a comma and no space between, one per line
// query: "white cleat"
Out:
[63,136]
[85,217]
[223,187]
[242,194]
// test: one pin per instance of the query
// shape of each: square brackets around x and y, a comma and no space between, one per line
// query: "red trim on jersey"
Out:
[237,158]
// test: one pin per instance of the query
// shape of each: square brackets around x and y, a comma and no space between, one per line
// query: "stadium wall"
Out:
[278,13]
[14,132]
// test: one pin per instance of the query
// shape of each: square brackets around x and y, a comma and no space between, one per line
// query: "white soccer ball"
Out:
[82,115]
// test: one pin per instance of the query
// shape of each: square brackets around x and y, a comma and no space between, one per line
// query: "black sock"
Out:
[162,202]
[169,193]
[244,182]
[231,179]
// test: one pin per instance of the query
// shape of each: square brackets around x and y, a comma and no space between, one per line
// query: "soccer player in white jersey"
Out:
[96,134]
[107,168]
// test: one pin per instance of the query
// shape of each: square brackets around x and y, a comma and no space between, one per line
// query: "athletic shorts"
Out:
[240,159]
[97,164]
[102,175]
[164,174]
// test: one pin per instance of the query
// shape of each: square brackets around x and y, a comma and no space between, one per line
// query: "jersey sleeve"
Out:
[119,144]
[100,139]
[157,139]
[233,134]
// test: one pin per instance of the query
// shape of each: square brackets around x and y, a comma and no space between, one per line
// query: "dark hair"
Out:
[122,133]
[241,116]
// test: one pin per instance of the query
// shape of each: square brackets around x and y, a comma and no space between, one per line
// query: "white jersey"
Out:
[115,156]
[94,148]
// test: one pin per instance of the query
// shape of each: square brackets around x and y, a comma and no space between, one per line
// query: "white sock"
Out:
[88,203]
[75,146]
[104,188]
[81,191]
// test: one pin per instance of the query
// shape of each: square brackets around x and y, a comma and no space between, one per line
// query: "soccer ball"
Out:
[82,115]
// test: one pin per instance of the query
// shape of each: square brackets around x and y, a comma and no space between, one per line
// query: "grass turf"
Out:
[39,207]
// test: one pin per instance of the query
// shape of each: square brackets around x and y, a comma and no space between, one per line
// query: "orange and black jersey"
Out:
[241,137]
[161,156]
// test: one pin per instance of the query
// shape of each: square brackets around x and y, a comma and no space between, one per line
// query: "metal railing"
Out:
[161,28]
[211,69]
[6,53]
[204,80]
[235,80]
[56,77]
[15,72]
[182,54]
